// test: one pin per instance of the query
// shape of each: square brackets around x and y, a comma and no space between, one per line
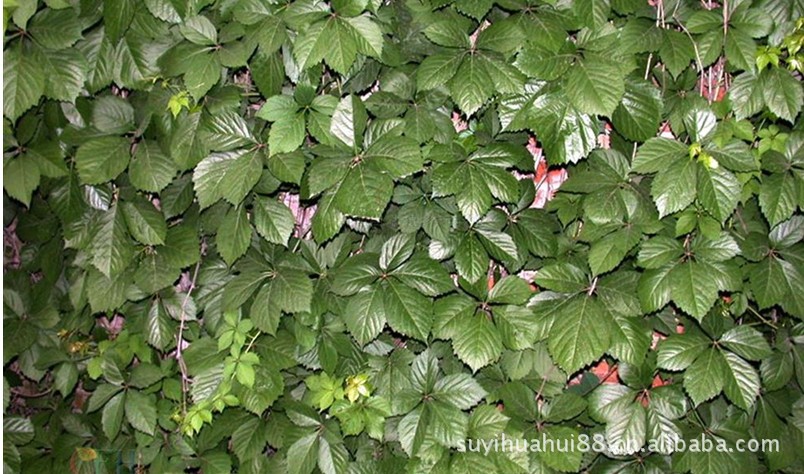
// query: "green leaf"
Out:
[407,311]
[102,159]
[150,170]
[303,454]
[746,342]
[718,191]
[562,277]
[437,70]
[203,72]
[112,415]
[706,377]
[657,154]
[287,134]
[396,250]
[234,234]
[117,15]
[777,197]
[694,289]
[349,121]
[364,315]
[273,220]
[510,290]
[747,95]
[67,71]
[674,188]
[20,178]
[447,33]
[595,85]
[478,342]
[782,93]
[199,30]
[365,192]
[55,29]
[424,275]
[228,175]
[638,114]
[471,85]
[145,223]
[580,334]
[458,390]
[471,259]
[141,411]
[679,351]
[676,51]
[741,384]
[111,246]
[158,326]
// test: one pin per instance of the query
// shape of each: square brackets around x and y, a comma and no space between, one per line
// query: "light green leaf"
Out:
[678,352]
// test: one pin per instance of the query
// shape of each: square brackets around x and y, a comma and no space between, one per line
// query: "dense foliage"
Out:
[269,236]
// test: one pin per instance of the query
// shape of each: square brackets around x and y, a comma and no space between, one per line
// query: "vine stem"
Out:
[180,337]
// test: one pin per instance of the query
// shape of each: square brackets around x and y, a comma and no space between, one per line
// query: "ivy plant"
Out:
[298,236]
